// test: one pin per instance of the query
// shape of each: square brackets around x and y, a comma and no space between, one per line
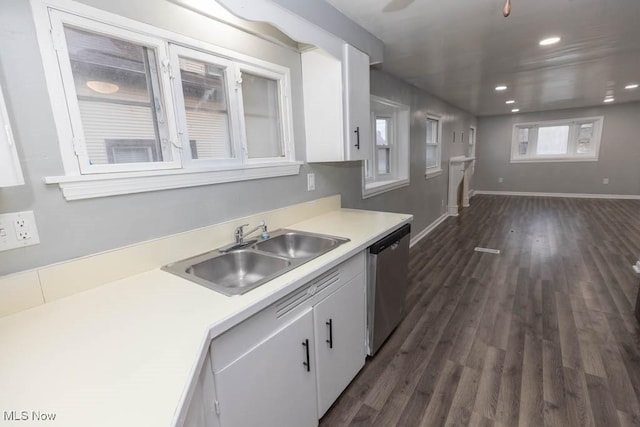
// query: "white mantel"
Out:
[459,170]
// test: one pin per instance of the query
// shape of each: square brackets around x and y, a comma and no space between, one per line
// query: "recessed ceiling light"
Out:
[501,88]
[632,86]
[515,110]
[609,99]
[549,41]
[511,101]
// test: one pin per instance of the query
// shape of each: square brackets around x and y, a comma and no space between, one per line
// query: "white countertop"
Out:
[124,354]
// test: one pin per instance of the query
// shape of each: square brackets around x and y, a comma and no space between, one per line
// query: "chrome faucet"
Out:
[240,234]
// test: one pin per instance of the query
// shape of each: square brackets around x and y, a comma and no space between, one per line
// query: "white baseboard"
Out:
[568,195]
[472,193]
[421,235]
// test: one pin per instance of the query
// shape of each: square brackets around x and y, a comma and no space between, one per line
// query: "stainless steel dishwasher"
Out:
[387,281]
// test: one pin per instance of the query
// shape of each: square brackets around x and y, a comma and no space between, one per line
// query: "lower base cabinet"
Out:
[339,327]
[274,384]
[286,365]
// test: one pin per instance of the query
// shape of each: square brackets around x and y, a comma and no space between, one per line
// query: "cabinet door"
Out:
[339,323]
[272,385]
[10,171]
[201,412]
[357,104]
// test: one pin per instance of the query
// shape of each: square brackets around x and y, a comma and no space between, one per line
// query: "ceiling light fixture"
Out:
[549,41]
[104,88]
[506,10]
[632,86]
[609,99]
[501,88]
[511,101]
[515,110]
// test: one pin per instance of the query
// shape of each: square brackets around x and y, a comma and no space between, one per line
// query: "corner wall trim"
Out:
[568,195]
[421,235]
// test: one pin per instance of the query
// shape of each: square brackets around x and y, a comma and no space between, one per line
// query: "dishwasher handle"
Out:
[391,240]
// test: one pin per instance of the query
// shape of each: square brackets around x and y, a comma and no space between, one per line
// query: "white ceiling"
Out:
[459,50]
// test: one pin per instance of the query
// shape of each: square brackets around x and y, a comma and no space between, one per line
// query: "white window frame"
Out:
[398,176]
[433,171]
[10,169]
[181,171]
[572,155]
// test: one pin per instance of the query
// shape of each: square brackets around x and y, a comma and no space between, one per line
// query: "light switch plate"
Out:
[311,181]
[17,230]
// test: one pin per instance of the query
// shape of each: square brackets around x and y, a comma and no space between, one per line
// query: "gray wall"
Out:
[77,228]
[426,199]
[619,156]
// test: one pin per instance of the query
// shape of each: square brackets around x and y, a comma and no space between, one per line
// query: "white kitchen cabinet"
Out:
[339,327]
[262,372]
[336,105]
[201,412]
[274,384]
[10,170]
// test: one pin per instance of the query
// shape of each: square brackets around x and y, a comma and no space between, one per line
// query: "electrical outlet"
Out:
[605,181]
[18,229]
[500,180]
[311,182]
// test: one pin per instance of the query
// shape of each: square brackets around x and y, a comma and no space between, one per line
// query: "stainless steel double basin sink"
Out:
[245,267]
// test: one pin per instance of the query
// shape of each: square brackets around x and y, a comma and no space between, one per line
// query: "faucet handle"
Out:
[239,232]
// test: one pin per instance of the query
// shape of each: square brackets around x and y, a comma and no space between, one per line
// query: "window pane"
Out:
[432,153]
[119,98]
[207,109]
[523,141]
[585,134]
[553,140]
[432,131]
[382,132]
[261,116]
[384,166]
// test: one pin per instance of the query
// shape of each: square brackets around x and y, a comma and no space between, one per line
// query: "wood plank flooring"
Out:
[542,334]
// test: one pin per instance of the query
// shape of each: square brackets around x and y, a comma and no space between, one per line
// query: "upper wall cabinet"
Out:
[10,171]
[336,105]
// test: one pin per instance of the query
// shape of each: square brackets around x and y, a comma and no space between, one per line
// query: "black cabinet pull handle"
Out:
[305,344]
[330,325]
[357,132]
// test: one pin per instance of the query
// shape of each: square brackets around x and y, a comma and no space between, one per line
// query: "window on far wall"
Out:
[388,166]
[434,147]
[557,141]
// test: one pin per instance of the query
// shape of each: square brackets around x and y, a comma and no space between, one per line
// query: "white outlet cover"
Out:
[17,230]
[605,181]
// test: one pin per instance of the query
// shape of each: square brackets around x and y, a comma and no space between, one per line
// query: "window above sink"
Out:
[139,108]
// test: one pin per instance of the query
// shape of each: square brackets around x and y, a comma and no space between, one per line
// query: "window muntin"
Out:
[433,145]
[561,140]
[203,126]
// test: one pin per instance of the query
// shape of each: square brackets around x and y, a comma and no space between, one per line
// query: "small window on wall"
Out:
[557,141]
[433,147]
[388,166]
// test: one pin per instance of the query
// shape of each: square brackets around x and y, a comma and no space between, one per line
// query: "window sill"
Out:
[432,173]
[556,160]
[376,188]
[113,184]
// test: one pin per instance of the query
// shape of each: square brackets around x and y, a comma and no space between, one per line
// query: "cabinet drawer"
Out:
[240,339]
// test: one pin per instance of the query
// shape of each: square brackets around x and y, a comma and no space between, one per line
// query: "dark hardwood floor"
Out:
[542,334]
